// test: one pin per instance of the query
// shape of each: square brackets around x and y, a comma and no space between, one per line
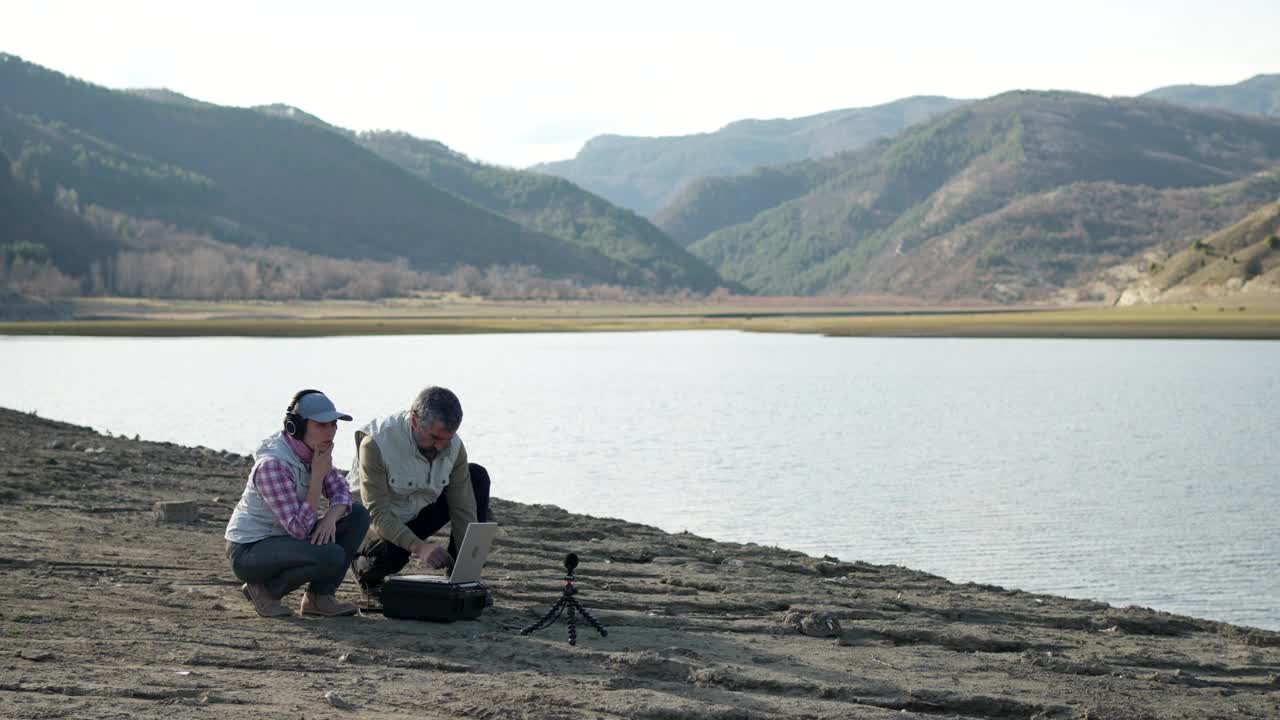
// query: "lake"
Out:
[1128,471]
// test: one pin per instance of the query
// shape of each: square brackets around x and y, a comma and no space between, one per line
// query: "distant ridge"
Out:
[165,95]
[1259,95]
[646,173]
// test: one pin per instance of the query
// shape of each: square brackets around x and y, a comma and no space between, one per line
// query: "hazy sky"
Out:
[522,82]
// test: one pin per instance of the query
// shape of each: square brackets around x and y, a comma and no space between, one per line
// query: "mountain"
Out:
[552,206]
[1241,259]
[269,176]
[645,173]
[949,207]
[1259,95]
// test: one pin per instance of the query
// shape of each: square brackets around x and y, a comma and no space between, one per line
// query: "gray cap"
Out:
[318,407]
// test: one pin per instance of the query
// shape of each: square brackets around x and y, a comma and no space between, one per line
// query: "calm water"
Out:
[1127,471]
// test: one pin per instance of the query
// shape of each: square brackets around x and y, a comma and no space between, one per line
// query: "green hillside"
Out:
[1259,95]
[39,230]
[711,203]
[49,154]
[646,173]
[257,177]
[552,206]
[878,225]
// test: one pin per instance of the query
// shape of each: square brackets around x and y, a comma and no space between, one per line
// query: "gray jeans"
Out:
[283,564]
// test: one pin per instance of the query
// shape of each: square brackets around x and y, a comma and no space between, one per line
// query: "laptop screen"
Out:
[474,551]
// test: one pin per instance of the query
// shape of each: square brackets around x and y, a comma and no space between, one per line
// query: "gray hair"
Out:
[437,403]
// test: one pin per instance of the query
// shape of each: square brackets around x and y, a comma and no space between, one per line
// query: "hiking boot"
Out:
[372,590]
[325,606]
[266,605]
[372,593]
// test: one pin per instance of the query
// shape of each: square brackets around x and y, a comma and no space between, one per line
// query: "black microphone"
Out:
[571,562]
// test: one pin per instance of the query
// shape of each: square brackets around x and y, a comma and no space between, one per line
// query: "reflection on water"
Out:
[1128,471]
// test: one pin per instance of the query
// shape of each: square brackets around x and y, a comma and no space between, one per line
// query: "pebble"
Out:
[821,624]
[336,700]
[816,624]
[34,655]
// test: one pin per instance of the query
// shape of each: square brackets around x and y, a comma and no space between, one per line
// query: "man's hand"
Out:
[433,555]
[326,530]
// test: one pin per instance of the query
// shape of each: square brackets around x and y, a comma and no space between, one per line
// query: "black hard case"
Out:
[423,599]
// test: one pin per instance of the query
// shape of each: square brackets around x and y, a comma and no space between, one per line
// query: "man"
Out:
[412,474]
[277,540]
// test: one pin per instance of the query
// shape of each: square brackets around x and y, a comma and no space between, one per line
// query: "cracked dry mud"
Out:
[104,613]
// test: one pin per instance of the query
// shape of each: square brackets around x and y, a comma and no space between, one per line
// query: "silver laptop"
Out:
[471,556]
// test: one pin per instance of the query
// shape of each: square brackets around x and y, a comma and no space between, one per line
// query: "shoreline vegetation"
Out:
[150,623]
[1221,318]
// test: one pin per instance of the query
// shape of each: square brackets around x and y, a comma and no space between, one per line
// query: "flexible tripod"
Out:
[568,600]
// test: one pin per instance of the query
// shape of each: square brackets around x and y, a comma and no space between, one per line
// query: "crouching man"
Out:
[412,474]
[277,540]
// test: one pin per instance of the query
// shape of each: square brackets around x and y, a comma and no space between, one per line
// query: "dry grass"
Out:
[826,316]
[1236,322]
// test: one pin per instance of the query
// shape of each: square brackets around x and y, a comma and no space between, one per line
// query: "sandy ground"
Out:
[106,613]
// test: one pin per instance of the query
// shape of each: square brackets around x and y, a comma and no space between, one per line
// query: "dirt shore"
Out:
[105,613]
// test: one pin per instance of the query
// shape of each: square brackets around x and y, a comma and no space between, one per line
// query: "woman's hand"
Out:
[321,463]
[322,459]
[326,530]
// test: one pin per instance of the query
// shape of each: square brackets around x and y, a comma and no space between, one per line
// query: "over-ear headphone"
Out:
[295,426]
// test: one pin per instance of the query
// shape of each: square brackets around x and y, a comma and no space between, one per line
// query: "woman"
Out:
[281,536]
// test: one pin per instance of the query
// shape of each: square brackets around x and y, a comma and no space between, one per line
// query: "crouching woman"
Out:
[277,538]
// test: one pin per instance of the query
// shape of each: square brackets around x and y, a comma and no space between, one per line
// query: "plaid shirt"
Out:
[274,482]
